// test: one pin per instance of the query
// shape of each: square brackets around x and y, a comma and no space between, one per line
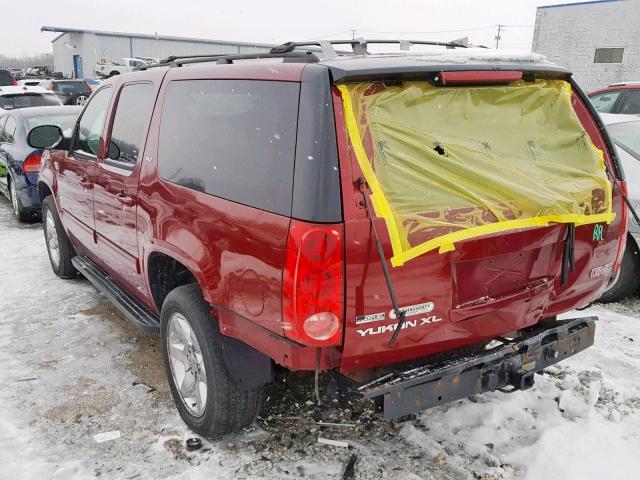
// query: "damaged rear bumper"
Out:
[507,367]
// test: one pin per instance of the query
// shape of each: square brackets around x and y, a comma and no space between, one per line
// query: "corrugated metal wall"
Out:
[94,47]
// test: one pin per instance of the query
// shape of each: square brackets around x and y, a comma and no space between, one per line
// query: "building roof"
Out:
[579,3]
[64,30]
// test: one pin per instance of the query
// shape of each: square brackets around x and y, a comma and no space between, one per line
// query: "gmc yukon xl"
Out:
[415,221]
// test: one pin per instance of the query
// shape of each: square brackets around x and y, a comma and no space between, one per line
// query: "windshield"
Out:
[66,122]
[30,99]
[627,136]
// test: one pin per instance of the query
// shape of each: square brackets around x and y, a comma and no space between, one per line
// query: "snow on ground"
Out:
[72,368]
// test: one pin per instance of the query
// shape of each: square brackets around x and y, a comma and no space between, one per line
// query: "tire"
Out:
[628,280]
[113,74]
[54,232]
[228,407]
[19,211]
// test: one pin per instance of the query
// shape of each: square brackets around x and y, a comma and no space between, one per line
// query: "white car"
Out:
[624,131]
[14,97]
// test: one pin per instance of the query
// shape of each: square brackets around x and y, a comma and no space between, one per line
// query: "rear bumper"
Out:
[509,366]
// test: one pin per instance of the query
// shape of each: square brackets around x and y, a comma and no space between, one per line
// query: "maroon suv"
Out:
[412,221]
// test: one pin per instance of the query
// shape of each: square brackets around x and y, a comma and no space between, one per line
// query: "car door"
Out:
[76,170]
[116,183]
[4,167]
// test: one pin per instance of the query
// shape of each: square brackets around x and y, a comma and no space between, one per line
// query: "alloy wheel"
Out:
[51,235]
[187,366]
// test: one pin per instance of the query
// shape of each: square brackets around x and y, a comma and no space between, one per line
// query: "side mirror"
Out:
[114,151]
[47,136]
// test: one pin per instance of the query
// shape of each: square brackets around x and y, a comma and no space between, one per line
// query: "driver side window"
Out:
[92,123]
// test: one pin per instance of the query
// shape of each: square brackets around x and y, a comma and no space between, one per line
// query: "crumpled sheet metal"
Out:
[450,164]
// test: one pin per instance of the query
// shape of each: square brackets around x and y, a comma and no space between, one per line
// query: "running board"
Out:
[130,307]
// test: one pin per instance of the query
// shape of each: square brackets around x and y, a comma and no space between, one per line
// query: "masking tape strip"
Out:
[446,242]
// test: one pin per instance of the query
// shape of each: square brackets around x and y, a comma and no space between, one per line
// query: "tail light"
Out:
[13,82]
[480,77]
[624,218]
[313,284]
[51,86]
[32,163]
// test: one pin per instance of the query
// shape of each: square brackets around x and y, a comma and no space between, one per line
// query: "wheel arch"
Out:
[44,191]
[167,270]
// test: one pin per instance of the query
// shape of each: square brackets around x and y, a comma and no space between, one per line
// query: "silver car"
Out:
[624,131]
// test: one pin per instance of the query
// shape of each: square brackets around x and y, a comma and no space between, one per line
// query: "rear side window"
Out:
[130,122]
[234,139]
[28,99]
[71,87]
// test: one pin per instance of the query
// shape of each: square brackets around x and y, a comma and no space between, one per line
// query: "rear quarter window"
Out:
[234,139]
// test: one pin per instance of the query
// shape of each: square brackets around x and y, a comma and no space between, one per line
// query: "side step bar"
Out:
[130,307]
[508,367]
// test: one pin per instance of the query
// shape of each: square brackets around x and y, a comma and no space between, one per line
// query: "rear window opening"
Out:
[445,164]
[23,100]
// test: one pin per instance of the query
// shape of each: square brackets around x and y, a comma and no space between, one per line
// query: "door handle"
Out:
[125,199]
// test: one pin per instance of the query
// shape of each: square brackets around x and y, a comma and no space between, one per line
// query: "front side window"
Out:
[9,130]
[2,122]
[92,123]
[604,102]
[631,102]
[129,125]
[234,139]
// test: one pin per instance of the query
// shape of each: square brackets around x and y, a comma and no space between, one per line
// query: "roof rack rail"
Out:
[359,45]
[289,53]
[225,58]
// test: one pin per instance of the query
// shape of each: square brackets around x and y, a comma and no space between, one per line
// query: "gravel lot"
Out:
[73,368]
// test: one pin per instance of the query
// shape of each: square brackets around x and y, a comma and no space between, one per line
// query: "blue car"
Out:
[19,163]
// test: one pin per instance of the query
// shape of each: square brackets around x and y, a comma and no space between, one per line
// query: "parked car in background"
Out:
[19,163]
[226,206]
[71,92]
[7,78]
[624,131]
[12,98]
[109,69]
[623,98]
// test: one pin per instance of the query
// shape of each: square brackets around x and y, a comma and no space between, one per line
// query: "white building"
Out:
[599,40]
[76,51]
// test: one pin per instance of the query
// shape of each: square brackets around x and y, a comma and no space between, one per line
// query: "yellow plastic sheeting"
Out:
[449,164]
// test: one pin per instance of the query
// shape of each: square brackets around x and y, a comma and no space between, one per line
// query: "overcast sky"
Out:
[273,21]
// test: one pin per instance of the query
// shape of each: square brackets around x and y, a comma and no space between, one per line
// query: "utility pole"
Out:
[353,34]
[498,37]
